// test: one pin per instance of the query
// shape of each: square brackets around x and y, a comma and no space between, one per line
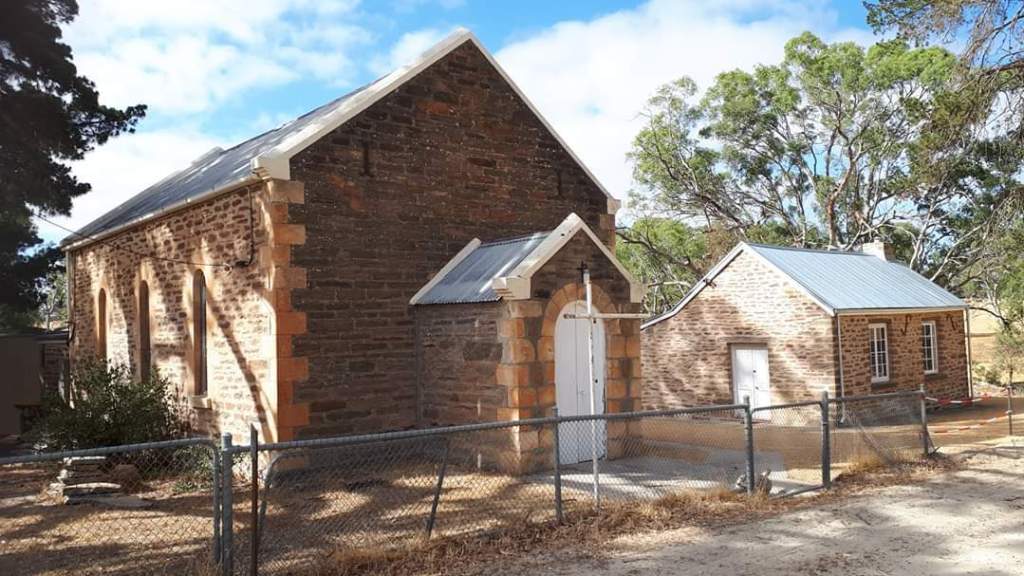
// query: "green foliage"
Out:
[835,146]
[1009,355]
[664,254]
[49,115]
[107,407]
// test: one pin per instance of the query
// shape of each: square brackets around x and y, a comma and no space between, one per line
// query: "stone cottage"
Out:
[784,324]
[272,281]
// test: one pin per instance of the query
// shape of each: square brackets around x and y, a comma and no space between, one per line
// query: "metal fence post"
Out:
[924,422]
[216,479]
[558,470]
[227,506]
[254,458]
[826,444]
[437,488]
[748,424]
[1009,408]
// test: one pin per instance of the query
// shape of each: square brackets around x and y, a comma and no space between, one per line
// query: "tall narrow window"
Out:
[929,350]
[101,325]
[144,355]
[199,333]
[879,353]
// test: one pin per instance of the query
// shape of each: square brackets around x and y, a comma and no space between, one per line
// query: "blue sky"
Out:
[215,73]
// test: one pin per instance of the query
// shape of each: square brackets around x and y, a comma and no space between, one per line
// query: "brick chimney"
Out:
[879,249]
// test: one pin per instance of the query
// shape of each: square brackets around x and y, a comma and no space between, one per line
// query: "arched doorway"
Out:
[572,386]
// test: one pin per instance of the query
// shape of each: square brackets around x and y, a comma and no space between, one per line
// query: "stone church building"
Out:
[301,278]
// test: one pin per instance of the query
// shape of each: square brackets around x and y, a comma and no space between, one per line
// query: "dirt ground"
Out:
[967,521]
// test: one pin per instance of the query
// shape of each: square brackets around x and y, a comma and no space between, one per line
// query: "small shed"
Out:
[35,363]
[493,342]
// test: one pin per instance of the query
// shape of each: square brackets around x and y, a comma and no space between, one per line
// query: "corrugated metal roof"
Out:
[470,280]
[857,281]
[211,171]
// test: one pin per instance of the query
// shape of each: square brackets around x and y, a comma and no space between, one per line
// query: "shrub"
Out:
[107,407]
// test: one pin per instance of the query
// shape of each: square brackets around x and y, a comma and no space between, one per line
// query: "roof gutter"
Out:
[911,310]
[67,245]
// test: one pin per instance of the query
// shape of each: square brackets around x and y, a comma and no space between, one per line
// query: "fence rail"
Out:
[275,508]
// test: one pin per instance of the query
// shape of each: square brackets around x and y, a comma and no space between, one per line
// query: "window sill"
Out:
[931,375]
[882,385]
[201,402]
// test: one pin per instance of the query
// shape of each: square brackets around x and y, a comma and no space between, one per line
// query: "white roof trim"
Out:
[275,163]
[699,286]
[459,257]
[516,284]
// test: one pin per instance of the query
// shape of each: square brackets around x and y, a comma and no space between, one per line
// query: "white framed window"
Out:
[878,338]
[929,347]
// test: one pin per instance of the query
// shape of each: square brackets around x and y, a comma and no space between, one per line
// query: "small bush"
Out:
[107,407]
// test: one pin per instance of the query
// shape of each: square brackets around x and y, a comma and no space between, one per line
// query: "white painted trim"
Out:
[888,353]
[275,163]
[935,346]
[516,284]
[459,257]
[67,245]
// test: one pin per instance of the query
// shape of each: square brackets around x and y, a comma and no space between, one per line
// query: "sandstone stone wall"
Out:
[165,253]
[458,349]
[906,363]
[390,197]
[687,358]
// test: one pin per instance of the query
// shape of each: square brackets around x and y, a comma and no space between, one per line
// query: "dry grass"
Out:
[592,534]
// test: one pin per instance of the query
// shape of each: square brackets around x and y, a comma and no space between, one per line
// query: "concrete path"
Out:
[966,522]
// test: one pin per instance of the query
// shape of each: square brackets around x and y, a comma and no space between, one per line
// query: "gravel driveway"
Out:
[970,521]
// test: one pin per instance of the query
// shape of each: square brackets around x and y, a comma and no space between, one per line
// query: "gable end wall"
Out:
[687,358]
[390,197]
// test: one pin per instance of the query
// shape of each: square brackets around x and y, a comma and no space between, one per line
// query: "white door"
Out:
[572,385]
[750,375]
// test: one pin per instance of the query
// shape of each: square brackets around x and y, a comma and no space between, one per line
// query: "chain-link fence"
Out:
[874,431]
[122,510]
[162,508]
[985,418]
[788,447]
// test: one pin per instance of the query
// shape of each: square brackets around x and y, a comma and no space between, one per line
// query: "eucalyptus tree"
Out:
[833,147]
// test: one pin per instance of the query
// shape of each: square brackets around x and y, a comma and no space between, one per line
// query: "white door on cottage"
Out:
[750,374]
[572,385]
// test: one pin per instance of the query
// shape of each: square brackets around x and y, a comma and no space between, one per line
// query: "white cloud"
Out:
[406,49]
[591,79]
[126,165]
[188,56]
[413,5]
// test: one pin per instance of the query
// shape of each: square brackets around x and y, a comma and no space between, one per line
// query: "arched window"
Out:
[101,325]
[144,355]
[199,333]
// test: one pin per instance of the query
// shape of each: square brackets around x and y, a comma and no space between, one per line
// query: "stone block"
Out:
[525,309]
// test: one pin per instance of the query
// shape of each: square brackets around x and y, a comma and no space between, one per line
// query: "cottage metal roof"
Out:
[857,281]
[212,171]
[470,280]
[838,281]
